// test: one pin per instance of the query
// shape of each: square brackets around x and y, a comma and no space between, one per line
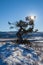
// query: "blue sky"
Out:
[14,10]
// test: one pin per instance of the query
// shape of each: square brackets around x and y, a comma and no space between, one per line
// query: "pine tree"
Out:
[22,25]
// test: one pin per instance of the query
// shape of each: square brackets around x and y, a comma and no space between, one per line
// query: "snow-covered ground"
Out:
[19,54]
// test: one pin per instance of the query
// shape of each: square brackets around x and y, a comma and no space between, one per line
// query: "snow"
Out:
[19,54]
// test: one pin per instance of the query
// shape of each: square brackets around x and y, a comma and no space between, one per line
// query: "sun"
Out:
[32,17]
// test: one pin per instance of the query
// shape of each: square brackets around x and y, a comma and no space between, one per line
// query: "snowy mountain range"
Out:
[38,36]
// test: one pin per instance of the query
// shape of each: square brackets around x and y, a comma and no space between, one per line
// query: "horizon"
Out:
[15,10]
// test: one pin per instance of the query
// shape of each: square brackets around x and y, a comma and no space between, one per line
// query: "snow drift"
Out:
[18,54]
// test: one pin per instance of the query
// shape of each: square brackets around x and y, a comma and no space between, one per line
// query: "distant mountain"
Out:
[13,34]
[8,34]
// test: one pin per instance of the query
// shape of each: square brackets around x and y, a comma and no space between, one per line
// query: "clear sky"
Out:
[14,10]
